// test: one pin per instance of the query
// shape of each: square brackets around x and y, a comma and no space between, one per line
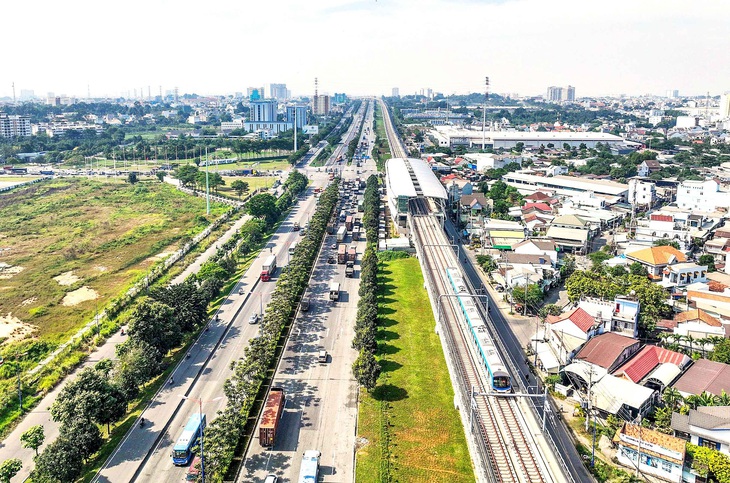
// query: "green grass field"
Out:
[107,232]
[254,182]
[414,433]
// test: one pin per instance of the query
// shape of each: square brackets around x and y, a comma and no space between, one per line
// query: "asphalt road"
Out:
[144,454]
[321,398]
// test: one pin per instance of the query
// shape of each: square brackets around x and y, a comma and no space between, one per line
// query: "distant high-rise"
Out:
[672,93]
[278,92]
[255,93]
[301,113]
[396,92]
[26,94]
[554,94]
[340,98]
[263,110]
[14,126]
[725,105]
[321,104]
[557,94]
[569,94]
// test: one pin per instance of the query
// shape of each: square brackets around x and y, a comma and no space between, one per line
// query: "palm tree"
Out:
[723,399]
[672,398]
[705,399]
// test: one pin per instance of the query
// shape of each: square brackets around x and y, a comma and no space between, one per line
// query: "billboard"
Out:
[310,129]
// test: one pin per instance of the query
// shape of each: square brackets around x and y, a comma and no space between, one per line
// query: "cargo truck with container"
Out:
[267,271]
[356,233]
[341,254]
[271,416]
[351,253]
[341,233]
[348,223]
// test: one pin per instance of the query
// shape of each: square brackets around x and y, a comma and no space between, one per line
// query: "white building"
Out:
[725,105]
[702,196]
[567,185]
[263,110]
[687,122]
[641,193]
[485,161]
[14,126]
[655,453]
[228,126]
[449,136]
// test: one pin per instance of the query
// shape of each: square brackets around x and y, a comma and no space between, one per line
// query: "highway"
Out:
[144,454]
[321,398]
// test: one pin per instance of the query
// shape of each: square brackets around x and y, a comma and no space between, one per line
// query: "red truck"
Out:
[341,253]
[352,254]
[271,416]
[268,269]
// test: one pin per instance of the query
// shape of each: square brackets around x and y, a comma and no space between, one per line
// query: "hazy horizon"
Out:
[367,47]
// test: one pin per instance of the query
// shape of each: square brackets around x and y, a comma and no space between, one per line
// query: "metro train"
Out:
[499,378]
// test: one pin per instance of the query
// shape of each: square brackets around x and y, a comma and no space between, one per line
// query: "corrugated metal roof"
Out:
[705,376]
[572,234]
[603,350]
[400,183]
[612,392]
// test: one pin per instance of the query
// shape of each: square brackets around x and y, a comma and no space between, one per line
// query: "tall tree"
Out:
[239,187]
[366,370]
[33,438]
[60,461]
[9,468]
[153,322]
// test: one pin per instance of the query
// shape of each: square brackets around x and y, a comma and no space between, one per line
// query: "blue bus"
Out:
[182,451]
[309,471]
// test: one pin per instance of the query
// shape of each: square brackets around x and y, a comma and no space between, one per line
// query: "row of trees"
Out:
[100,394]
[225,431]
[365,368]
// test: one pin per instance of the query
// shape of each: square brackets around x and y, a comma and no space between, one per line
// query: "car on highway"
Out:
[254,319]
[271,479]
[331,260]
[333,246]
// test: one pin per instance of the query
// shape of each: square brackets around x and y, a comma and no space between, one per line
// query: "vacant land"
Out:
[408,427]
[68,246]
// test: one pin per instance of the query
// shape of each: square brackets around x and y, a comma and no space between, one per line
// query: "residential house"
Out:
[702,196]
[654,367]
[517,269]
[566,333]
[538,246]
[541,197]
[599,356]
[656,259]
[694,330]
[620,315]
[570,233]
[647,167]
[472,210]
[718,247]
[713,298]
[502,234]
[704,376]
[683,274]
[642,194]
[651,451]
[707,426]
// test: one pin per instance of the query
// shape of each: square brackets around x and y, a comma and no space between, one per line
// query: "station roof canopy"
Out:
[400,181]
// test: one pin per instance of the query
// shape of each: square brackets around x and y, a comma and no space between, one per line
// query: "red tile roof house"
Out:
[602,354]
[654,367]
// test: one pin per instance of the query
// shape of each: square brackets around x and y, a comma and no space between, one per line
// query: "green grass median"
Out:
[408,428]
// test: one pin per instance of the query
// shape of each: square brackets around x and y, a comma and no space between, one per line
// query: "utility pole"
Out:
[207,187]
[484,116]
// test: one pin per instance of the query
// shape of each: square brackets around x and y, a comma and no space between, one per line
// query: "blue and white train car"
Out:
[498,375]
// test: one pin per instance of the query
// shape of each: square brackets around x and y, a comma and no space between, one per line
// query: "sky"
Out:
[365,47]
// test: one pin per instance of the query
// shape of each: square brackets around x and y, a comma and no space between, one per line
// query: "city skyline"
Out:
[369,47]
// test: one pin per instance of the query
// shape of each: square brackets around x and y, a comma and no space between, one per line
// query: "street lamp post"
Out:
[202,428]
